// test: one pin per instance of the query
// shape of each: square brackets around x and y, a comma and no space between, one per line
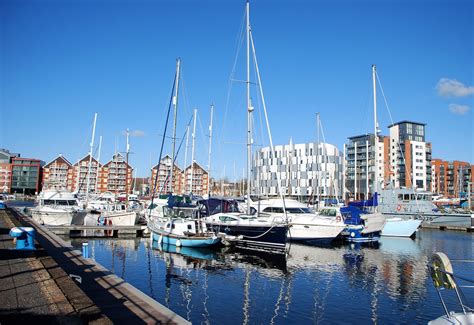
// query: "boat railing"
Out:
[443,277]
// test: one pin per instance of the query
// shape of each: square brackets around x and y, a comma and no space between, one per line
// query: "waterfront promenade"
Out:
[37,285]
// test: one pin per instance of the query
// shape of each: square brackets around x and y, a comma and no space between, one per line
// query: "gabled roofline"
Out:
[163,158]
[86,156]
[59,156]
[198,166]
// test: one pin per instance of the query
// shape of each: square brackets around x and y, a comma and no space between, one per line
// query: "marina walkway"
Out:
[37,285]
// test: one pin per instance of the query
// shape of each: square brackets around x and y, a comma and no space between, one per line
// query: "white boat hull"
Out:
[50,217]
[126,218]
[314,233]
[398,227]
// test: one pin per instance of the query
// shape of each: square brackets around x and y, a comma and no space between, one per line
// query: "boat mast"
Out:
[192,151]
[186,159]
[209,159]
[249,110]
[175,115]
[90,158]
[98,165]
[127,151]
[318,165]
[376,138]
[367,169]
[355,170]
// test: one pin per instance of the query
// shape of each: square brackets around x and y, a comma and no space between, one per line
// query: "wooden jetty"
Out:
[39,285]
[110,231]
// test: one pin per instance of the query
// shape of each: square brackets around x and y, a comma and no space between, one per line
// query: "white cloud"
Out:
[453,88]
[134,133]
[459,109]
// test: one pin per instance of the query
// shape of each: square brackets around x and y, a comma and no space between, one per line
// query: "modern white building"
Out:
[302,170]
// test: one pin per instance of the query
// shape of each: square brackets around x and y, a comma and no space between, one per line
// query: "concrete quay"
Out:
[54,284]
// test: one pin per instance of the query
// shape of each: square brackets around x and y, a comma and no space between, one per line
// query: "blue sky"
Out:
[61,61]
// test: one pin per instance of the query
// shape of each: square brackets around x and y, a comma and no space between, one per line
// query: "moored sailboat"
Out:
[244,229]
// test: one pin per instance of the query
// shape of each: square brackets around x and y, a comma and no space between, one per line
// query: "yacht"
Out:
[304,225]
[57,207]
[180,226]
[246,231]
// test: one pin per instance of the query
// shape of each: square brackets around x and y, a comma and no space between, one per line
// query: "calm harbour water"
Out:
[344,284]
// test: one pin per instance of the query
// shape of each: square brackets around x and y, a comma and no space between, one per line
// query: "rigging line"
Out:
[331,179]
[239,42]
[268,124]
[203,136]
[399,145]
[176,155]
[259,103]
[368,109]
[185,95]
[163,143]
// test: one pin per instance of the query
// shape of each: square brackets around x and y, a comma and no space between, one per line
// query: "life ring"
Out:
[441,270]
[399,207]
[338,218]
[101,220]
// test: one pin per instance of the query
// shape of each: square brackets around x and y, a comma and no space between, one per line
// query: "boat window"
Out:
[400,196]
[173,226]
[328,212]
[406,197]
[190,227]
[48,202]
[412,197]
[269,209]
[71,202]
[227,218]
[294,210]
[167,225]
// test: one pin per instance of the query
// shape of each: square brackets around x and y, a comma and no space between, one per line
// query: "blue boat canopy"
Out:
[373,202]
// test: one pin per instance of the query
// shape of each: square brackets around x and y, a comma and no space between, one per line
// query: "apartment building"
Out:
[26,175]
[196,180]
[164,177]
[360,155]
[409,155]
[6,170]
[451,178]
[116,175]
[303,171]
[58,174]
[80,180]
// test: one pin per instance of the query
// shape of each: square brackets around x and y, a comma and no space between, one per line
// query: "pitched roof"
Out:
[162,159]
[196,164]
[86,158]
[112,160]
[59,158]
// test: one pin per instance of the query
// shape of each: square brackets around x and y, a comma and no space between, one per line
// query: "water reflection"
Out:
[310,285]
